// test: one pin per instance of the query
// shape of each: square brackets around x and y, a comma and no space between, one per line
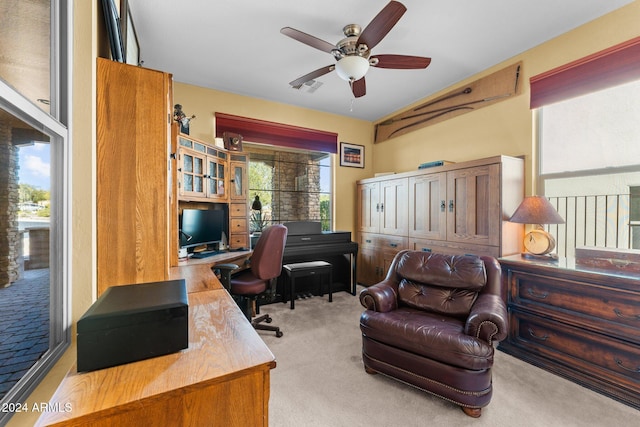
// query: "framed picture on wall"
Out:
[129,35]
[351,155]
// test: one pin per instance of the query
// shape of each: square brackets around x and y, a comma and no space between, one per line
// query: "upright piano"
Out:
[307,242]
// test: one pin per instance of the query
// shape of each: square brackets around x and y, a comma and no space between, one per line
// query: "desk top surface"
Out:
[221,344]
[198,274]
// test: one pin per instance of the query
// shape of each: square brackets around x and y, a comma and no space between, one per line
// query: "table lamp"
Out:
[537,210]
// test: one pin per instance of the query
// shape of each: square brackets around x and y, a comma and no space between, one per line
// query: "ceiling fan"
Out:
[353,53]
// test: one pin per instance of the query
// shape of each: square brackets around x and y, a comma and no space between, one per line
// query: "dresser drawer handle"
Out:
[619,363]
[533,334]
[393,245]
[537,295]
[623,316]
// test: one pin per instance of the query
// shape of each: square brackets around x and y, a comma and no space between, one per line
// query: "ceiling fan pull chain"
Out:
[351,106]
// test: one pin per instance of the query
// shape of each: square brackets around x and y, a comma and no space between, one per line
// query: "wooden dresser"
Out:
[580,323]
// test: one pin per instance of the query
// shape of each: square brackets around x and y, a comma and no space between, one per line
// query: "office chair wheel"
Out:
[268,320]
[279,334]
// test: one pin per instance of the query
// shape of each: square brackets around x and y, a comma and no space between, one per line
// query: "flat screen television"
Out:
[200,227]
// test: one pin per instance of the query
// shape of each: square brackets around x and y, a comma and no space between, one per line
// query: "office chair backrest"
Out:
[266,260]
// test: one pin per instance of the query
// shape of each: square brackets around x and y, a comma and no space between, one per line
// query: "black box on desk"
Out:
[133,322]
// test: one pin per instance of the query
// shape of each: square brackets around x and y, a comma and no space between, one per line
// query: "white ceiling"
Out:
[236,45]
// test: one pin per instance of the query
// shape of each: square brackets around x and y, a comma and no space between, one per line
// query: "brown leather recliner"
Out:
[432,323]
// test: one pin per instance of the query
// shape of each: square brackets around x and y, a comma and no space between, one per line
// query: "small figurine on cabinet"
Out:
[180,117]
[232,141]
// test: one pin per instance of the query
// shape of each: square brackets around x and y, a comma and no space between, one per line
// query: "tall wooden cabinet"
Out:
[133,140]
[457,208]
[209,174]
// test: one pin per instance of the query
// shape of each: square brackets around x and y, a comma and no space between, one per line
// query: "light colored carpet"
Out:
[320,381]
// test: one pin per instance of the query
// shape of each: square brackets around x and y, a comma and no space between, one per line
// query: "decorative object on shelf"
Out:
[180,117]
[351,155]
[537,210]
[481,93]
[433,164]
[258,222]
[232,141]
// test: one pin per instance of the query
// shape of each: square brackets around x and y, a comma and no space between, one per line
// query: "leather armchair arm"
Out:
[381,297]
[488,319]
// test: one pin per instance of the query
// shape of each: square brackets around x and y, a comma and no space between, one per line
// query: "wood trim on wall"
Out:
[273,133]
[610,67]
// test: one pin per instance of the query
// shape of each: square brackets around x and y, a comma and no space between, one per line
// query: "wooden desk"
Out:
[198,274]
[222,379]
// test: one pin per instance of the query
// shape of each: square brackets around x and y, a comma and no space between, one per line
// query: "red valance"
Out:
[273,133]
[610,67]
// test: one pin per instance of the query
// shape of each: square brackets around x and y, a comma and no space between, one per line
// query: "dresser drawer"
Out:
[238,225]
[239,240]
[237,210]
[608,310]
[367,240]
[393,243]
[597,356]
[383,241]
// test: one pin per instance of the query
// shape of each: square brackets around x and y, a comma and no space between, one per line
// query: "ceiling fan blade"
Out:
[312,75]
[359,88]
[381,24]
[308,39]
[403,62]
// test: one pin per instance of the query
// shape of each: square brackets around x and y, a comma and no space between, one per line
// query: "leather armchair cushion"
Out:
[466,272]
[449,301]
[431,335]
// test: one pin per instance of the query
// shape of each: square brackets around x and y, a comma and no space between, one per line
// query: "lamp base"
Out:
[534,257]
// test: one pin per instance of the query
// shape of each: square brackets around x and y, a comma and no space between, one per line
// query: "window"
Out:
[589,155]
[292,185]
[34,110]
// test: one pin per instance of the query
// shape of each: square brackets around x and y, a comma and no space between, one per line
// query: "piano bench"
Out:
[305,269]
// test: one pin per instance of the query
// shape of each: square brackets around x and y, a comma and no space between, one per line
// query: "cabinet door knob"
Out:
[541,295]
[620,314]
[381,207]
[619,363]
[450,205]
[533,335]
[443,205]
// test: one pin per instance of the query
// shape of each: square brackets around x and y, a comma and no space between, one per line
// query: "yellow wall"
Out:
[506,127]
[204,103]
[503,128]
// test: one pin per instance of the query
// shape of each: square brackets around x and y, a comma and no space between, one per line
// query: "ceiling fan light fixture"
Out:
[352,68]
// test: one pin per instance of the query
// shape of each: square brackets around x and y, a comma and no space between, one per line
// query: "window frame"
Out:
[56,124]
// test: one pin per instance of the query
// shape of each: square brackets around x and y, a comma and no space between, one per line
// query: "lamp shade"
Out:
[352,68]
[536,210]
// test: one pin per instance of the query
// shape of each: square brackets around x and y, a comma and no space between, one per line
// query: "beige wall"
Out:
[506,127]
[503,128]
[204,103]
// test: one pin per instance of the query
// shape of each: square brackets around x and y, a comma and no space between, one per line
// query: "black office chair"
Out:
[247,286]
